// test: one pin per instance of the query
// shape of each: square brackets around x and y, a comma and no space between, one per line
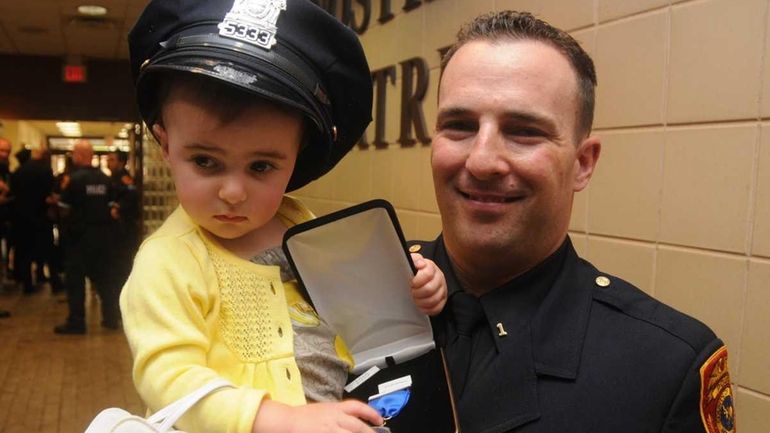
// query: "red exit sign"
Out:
[75,74]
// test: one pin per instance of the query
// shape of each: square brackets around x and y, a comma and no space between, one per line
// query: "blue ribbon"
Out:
[390,405]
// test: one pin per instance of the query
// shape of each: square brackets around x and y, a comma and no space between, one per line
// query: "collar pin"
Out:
[500,330]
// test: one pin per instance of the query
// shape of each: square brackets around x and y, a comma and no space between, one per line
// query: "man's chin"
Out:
[482,238]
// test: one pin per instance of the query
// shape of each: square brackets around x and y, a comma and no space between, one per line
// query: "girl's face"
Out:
[230,177]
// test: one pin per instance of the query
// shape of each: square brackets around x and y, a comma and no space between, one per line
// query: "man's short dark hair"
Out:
[524,26]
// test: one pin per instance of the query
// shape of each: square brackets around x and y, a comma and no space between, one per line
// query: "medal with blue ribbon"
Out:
[393,397]
[389,405]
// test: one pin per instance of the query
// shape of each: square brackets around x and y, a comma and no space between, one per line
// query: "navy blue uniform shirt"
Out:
[86,197]
[567,348]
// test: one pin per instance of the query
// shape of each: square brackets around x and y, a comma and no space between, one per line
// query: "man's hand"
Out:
[428,286]
[115,211]
[349,416]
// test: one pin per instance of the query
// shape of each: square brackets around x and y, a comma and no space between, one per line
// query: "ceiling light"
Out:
[69,129]
[92,10]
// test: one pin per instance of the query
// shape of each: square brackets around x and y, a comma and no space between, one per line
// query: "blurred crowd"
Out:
[58,231]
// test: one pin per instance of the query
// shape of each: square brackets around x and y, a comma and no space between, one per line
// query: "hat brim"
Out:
[230,73]
[268,89]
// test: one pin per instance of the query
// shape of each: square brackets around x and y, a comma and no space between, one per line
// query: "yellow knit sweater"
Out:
[193,311]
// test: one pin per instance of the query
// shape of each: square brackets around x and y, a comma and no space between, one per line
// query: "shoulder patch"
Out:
[716,396]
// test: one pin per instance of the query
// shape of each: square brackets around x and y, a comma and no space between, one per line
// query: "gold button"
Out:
[415,248]
[602,281]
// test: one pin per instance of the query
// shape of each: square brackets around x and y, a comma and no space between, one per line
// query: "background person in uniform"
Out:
[32,187]
[5,202]
[125,211]
[61,181]
[22,157]
[538,340]
[5,214]
[87,237]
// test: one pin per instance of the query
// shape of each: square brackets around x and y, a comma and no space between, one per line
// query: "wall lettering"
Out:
[415,74]
[381,78]
[386,13]
[411,4]
[412,96]
[349,18]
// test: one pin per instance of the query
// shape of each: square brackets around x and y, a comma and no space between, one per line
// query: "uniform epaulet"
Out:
[633,302]
[127,180]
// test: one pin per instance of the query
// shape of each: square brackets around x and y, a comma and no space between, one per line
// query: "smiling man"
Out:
[537,339]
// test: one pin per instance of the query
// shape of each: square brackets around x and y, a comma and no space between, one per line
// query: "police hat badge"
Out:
[290,52]
[253,22]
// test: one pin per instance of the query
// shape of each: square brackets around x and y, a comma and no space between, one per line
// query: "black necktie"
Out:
[468,315]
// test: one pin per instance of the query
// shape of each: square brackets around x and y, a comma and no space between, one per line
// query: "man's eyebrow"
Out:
[530,117]
[511,115]
[453,112]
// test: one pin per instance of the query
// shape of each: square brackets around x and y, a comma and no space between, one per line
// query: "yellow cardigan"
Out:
[192,312]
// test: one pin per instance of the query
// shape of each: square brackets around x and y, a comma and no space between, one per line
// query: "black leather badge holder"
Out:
[355,269]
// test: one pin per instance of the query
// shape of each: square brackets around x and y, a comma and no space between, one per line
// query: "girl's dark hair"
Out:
[223,101]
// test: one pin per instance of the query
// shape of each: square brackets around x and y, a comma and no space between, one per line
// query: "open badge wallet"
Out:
[355,269]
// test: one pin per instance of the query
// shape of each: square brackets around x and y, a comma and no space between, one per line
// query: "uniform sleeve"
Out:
[128,200]
[67,197]
[704,403]
[167,312]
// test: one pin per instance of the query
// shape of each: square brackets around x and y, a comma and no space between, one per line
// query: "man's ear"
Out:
[162,136]
[587,156]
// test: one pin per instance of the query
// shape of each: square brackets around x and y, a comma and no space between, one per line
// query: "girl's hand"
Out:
[348,416]
[429,290]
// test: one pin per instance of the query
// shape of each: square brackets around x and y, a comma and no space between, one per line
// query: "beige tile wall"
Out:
[641,41]
[708,174]
[753,408]
[716,53]
[630,161]
[761,235]
[680,203]
[765,98]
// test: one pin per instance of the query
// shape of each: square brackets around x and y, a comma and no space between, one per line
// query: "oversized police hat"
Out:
[290,52]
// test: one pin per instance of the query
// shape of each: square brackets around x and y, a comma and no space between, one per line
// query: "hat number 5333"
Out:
[246,33]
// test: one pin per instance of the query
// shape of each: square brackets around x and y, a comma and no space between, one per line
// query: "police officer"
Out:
[32,186]
[125,211]
[537,339]
[87,236]
[5,210]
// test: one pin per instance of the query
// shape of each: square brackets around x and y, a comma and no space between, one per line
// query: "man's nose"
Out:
[232,190]
[486,158]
